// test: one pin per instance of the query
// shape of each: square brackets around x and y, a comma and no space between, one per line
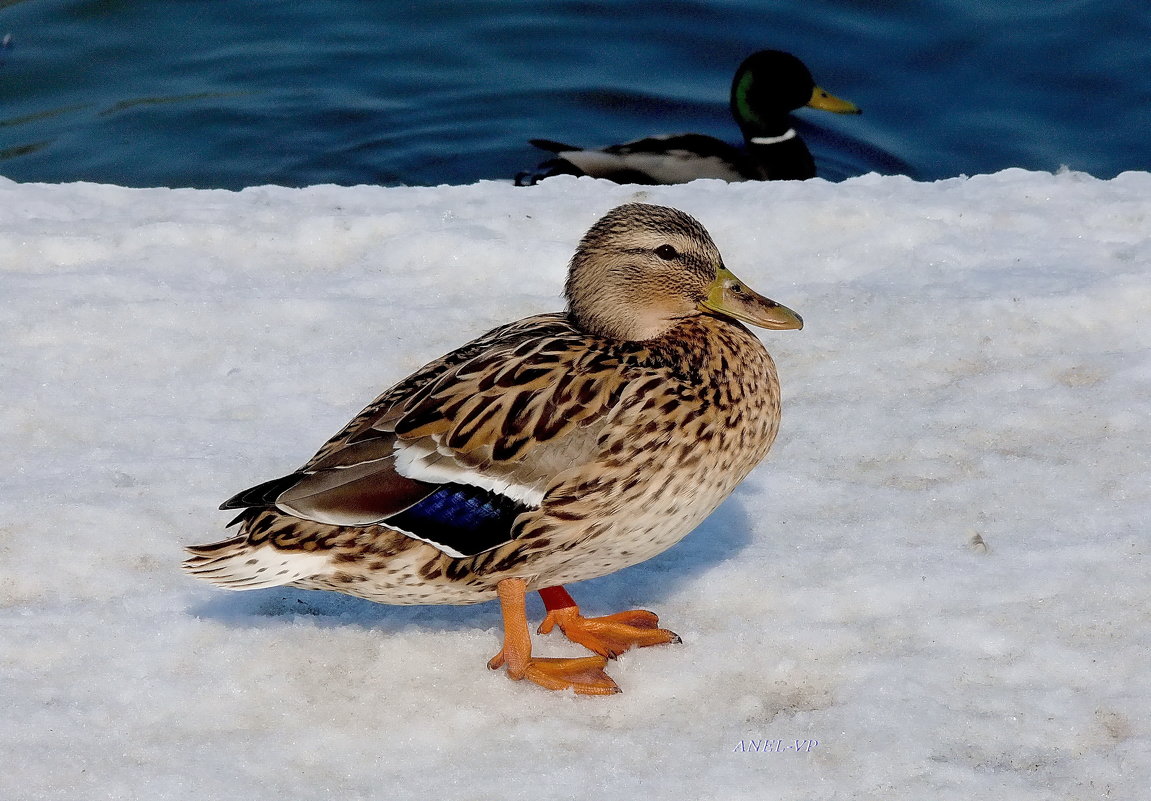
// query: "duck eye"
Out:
[666,252]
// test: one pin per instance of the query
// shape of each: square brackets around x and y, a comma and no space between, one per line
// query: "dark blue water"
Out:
[212,93]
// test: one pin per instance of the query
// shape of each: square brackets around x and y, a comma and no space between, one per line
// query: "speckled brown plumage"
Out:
[680,433]
[603,434]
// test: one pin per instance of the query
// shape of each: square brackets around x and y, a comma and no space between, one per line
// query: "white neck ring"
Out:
[773,140]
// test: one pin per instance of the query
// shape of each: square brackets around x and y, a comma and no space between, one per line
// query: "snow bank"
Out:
[939,577]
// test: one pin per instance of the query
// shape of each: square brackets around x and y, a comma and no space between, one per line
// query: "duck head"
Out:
[771,83]
[642,269]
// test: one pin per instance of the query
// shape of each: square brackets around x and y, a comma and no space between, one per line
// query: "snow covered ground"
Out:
[938,580]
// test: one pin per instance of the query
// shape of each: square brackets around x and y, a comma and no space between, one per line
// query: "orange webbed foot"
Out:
[584,675]
[609,635]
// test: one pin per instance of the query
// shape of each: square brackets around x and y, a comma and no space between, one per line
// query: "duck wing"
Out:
[452,454]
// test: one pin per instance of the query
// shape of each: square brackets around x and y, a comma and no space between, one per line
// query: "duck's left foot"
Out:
[609,635]
[584,675]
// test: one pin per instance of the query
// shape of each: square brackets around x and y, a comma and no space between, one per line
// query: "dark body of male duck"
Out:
[767,86]
[554,449]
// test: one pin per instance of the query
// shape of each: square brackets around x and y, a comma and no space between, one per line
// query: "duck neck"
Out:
[761,130]
[787,135]
[782,158]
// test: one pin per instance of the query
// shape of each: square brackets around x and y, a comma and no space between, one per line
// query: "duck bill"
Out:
[730,297]
[826,101]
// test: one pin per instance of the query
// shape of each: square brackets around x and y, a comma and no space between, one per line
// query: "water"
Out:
[204,93]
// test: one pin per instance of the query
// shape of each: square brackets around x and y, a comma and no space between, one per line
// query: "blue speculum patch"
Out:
[456,517]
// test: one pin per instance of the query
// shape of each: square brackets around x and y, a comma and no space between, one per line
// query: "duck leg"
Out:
[608,636]
[584,675]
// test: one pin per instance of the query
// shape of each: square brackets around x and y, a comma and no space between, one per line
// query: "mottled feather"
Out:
[557,448]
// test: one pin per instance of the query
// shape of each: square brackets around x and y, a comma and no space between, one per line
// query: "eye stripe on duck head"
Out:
[621,286]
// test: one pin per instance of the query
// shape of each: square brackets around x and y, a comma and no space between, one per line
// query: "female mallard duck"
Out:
[558,448]
[767,86]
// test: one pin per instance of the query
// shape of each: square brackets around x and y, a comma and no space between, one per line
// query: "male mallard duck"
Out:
[554,449]
[767,86]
